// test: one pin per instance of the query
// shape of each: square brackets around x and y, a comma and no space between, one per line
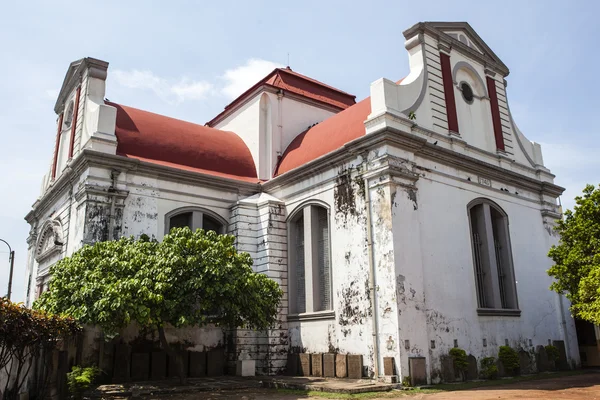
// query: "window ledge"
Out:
[312,316]
[498,312]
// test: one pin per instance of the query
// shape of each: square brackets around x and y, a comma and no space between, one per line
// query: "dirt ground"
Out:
[586,386]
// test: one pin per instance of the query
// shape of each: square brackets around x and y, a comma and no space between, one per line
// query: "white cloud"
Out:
[171,91]
[230,84]
[240,79]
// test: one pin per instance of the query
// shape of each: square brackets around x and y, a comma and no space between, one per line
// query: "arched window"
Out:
[195,218]
[309,277]
[492,257]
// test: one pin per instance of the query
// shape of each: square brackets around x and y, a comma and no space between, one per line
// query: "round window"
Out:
[467,92]
[69,115]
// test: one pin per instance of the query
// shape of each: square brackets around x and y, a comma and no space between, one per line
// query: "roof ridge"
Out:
[307,78]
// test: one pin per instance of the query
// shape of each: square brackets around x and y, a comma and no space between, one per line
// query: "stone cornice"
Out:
[87,158]
[490,60]
[421,147]
[96,69]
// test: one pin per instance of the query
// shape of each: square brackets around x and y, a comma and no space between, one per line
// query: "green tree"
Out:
[577,256]
[189,279]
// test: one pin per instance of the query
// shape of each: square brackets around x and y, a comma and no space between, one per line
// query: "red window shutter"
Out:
[57,145]
[449,93]
[74,124]
[491,84]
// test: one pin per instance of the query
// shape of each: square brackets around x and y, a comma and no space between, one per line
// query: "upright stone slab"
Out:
[341,366]
[417,369]
[542,359]
[173,369]
[525,362]
[304,364]
[355,366]
[140,367]
[501,369]
[447,369]
[197,364]
[292,366]
[329,365]
[215,362]
[389,368]
[159,365]
[563,363]
[316,362]
[472,372]
[122,357]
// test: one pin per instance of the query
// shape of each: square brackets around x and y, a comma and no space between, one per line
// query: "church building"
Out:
[399,226]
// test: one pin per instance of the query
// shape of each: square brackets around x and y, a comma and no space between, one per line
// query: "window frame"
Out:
[299,212]
[496,309]
[197,212]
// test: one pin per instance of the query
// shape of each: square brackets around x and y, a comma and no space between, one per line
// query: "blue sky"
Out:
[187,59]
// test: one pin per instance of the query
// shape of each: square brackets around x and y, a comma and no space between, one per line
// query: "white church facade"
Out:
[402,225]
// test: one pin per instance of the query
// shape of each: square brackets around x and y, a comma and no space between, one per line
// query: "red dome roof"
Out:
[326,136]
[167,141]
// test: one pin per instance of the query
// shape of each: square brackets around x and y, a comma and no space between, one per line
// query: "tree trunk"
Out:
[172,353]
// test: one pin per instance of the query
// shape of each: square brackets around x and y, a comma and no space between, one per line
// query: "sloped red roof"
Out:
[325,137]
[293,82]
[168,141]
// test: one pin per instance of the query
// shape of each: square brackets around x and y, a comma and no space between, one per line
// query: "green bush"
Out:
[552,352]
[406,381]
[489,369]
[510,360]
[459,358]
[80,379]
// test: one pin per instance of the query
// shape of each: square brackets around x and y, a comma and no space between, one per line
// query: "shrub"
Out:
[510,360]
[80,379]
[459,358]
[552,352]
[406,381]
[489,369]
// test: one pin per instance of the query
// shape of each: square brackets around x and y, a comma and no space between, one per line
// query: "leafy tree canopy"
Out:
[577,256]
[188,279]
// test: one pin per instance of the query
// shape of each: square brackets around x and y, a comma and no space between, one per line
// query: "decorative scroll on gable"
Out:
[50,240]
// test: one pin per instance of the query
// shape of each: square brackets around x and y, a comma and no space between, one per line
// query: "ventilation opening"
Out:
[467,92]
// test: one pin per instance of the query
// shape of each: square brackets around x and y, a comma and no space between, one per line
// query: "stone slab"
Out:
[215,362]
[316,364]
[140,366]
[417,369]
[122,357]
[292,366]
[563,363]
[173,370]
[159,365]
[447,365]
[389,369]
[525,366]
[341,365]
[472,372]
[329,365]
[197,364]
[304,364]
[245,368]
[542,359]
[355,366]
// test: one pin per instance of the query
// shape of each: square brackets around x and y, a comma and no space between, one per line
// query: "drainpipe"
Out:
[372,286]
[563,323]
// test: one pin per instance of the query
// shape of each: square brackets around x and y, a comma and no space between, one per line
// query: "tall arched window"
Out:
[492,257]
[194,218]
[309,278]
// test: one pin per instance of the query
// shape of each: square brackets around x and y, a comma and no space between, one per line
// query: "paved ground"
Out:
[575,387]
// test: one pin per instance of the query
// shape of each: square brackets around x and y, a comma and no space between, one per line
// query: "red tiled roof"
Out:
[167,141]
[293,82]
[325,137]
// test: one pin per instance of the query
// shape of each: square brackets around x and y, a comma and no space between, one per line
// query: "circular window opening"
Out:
[69,115]
[467,92]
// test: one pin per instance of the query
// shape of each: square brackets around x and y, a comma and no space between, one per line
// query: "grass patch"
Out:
[368,395]
[448,387]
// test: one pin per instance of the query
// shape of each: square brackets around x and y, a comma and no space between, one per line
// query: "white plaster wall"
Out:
[449,284]
[245,123]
